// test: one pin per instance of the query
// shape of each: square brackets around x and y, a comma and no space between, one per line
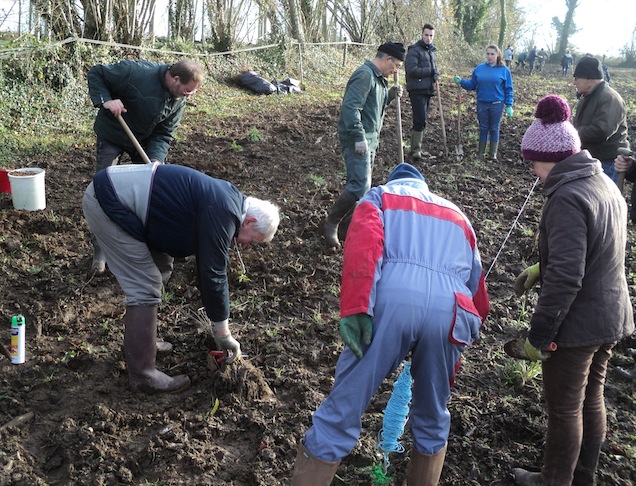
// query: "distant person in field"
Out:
[493,83]
[532,58]
[542,57]
[566,62]
[366,98]
[421,81]
[584,305]
[508,56]
[521,60]
[601,114]
[151,98]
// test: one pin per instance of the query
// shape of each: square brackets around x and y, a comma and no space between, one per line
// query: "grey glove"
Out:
[395,91]
[362,147]
[225,342]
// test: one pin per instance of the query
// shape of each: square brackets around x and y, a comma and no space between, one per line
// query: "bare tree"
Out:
[182,19]
[357,17]
[227,21]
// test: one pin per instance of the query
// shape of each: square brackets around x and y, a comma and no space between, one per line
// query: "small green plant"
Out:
[255,135]
[317,181]
[236,146]
[518,373]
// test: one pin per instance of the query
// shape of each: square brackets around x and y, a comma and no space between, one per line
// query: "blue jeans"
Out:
[608,169]
[489,117]
[420,104]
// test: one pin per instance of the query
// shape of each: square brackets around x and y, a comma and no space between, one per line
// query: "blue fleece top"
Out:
[492,83]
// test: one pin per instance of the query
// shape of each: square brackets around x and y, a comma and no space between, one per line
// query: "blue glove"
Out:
[509,111]
[534,353]
[457,79]
[355,331]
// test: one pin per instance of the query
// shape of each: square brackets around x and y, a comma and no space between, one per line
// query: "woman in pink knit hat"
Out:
[583,304]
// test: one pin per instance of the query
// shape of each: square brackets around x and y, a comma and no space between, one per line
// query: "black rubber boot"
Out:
[98,267]
[481,151]
[585,472]
[493,150]
[339,210]
[140,350]
[527,478]
[416,145]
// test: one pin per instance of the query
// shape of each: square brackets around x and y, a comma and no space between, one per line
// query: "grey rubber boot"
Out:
[98,267]
[338,211]
[416,145]
[311,471]
[493,150]
[140,351]
[527,478]
[481,151]
[585,472]
[425,469]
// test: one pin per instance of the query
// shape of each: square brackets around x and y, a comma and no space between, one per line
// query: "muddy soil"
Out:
[81,425]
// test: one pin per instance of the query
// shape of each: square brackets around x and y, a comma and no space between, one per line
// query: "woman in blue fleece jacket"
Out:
[493,83]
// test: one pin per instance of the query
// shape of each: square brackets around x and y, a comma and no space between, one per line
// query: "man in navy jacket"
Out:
[145,215]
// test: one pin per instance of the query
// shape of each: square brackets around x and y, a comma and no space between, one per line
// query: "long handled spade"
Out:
[399,122]
[459,150]
[441,117]
[133,139]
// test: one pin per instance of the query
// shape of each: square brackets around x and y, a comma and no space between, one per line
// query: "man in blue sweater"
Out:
[145,215]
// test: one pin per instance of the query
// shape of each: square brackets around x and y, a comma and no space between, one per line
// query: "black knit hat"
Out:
[589,68]
[393,49]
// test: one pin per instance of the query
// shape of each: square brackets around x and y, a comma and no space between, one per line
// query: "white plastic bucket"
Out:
[27,188]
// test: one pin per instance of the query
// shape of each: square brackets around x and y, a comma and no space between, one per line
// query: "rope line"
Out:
[396,415]
[514,223]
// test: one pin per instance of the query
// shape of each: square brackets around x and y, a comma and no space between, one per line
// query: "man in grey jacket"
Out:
[601,116]
[584,305]
[151,98]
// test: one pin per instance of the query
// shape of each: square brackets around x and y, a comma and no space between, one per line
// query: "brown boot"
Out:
[527,478]
[585,472]
[140,350]
[311,471]
[339,210]
[425,469]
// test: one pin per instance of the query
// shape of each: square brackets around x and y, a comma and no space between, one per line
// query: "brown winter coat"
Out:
[584,298]
[601,120]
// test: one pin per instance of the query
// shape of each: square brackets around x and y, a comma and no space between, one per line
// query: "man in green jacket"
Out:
[151,98]
[365,100]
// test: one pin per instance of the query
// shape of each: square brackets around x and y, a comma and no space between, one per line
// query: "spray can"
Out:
[18,340]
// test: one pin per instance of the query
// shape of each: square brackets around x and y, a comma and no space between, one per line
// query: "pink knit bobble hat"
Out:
[551,137]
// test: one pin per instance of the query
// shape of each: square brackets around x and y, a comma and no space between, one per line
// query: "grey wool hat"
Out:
[394,49]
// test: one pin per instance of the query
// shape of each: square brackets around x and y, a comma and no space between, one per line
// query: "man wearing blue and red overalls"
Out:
[412,283]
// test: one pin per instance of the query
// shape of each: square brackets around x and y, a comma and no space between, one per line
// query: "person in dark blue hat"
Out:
[361,116]
[412,286]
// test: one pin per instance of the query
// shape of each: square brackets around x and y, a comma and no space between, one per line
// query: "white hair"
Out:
[266,214]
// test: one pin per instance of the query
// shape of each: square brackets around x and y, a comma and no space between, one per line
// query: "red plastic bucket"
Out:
[5,185]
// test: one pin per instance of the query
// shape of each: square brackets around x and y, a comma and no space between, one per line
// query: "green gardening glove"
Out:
[527,279]
[509,111]
[355,331]
[534,353]
[457,79]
